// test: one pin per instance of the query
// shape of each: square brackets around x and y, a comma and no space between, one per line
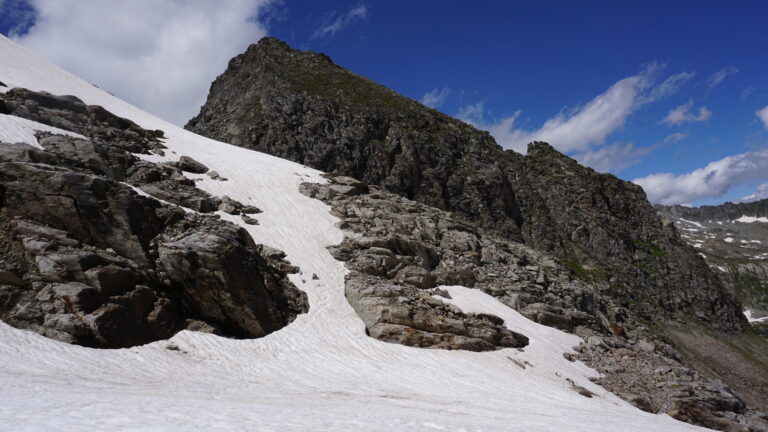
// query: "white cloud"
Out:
[613,158]
[760,193]
[436,97]
[334,23]
[746,93]
[683,114]
[675,137]
[763,116]
[473,114]
[582,128]
[668,87]
[711,181]
[160,56]
[720,75]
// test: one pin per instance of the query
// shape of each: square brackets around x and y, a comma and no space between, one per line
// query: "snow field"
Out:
[320,373]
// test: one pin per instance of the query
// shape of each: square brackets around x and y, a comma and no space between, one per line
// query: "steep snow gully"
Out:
[321,372]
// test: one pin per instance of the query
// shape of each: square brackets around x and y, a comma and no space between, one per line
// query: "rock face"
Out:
[301,106]
[733,238]
[400,252]
[86,259]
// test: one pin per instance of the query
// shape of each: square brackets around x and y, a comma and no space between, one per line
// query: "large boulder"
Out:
[86,259]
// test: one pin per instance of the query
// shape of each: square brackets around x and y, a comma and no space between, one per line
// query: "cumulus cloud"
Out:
[334,22]
[473,114]
[582,128]
[763,116]
[613,158]
[160,56]
[711,181]
[683,114]
[720,75]
[760,193]
[582,131]
[436,97]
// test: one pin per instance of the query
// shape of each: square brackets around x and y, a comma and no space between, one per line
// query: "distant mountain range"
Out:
[733,239]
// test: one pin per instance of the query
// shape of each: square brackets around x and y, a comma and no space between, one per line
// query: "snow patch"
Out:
[750,318]
[19,130]
[692,223]
[751,219]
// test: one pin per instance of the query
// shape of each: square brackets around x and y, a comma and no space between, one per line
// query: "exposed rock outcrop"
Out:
[86,259]
[733,238]
[723,212]
[400,252]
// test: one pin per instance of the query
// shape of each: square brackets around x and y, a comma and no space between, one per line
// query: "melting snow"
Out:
[18,130]
[728,239]
[750,318]
[751,219]
[321,372]
[692,223]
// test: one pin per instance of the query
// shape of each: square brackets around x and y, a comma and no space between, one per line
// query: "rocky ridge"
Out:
[733,239]
[300,106]
[400,252]
[87,257]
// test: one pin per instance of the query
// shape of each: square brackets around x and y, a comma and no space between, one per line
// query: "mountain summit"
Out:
[301,106]
[631,276]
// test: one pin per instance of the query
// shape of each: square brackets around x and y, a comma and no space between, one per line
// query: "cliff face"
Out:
[734,240]
[300,106]
[86,257]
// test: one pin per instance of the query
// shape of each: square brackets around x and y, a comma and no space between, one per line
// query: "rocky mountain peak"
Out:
[298,106]
[542,148]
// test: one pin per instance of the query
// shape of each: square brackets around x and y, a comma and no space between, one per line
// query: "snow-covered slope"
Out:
[321,372]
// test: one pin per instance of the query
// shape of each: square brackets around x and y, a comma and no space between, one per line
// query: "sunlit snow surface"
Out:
[751,219]
[750,318]
[320,373]
[16,130]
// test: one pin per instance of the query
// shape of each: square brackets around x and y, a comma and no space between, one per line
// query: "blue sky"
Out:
[666,92]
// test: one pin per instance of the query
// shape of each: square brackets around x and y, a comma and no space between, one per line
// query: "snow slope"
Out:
[16,130]
[319,373]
